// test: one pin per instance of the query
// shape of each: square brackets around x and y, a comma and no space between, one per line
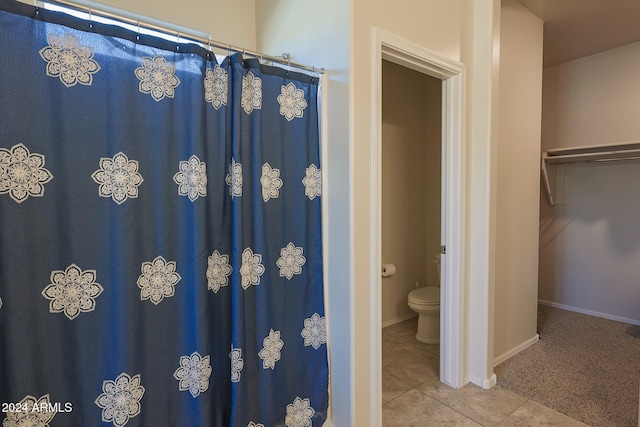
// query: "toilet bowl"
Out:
[426,302]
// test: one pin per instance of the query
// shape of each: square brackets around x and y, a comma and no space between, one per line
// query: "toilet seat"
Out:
[429,295]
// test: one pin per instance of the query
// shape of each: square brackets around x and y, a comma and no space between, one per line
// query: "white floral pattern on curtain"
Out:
[191,281]
[70,61]
[72,291]
[22,173]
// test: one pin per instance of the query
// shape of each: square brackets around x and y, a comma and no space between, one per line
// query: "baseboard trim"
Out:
[517,349]
[398,319]
[484,383]
[589,312]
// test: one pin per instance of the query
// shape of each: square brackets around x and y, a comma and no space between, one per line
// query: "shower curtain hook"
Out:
[90,17]
[138,31]
[178,38]
[209,45]
[229,51]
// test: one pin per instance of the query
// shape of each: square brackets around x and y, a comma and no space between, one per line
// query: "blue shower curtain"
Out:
[160,232]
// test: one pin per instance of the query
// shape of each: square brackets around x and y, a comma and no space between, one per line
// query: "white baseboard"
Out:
[484,383]
[590,312]
[398,319]
[517,349]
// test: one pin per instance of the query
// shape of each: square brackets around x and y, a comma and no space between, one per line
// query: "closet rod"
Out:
[205,42]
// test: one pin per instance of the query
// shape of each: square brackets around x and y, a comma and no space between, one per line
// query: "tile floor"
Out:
[412,395]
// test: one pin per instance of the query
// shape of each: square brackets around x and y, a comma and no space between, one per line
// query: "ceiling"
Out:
[577,28]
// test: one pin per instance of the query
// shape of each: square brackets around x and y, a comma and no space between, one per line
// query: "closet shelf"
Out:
[555,161]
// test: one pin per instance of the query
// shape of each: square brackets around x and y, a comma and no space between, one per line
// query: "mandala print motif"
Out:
[72,291]
[271,182]
[237,363]
[315,331]
[292,102]
[251,93]
[216,86]
[252,424]
[118,178]
[22,173]
[234,179]
[270,352]
[291,261]
[67,59]
[251,268]
[30,413]
[158,280]
[157,77]
[299,413]
[218,271]
[312,182]
[192,178]
[120,399]
[193,373]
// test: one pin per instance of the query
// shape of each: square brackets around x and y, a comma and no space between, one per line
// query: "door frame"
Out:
[453,231]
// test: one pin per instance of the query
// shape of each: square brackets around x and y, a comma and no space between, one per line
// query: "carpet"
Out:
[583,366]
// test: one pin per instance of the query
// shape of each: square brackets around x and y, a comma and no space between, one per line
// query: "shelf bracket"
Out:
[555,181]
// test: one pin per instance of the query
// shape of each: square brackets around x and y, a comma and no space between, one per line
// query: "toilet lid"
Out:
[426,295]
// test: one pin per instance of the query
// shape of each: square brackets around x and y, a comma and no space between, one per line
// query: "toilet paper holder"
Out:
[388,270]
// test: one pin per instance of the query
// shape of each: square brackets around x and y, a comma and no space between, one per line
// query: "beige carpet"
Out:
[583,366]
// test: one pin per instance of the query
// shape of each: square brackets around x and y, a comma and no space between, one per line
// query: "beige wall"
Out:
[230,22]
[590,247]
[518,184]
[463,31]
[411,123]
[226,21]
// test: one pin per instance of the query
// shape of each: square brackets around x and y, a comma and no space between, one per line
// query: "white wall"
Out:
[518,183]
[411,123]
[590,247]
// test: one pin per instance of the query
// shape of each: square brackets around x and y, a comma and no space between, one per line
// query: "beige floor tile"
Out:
[410,364]
[392,387]
[487,407]
[429,348]
[405,332]
[414,396]
[532,414]
[416,409]
[404,329]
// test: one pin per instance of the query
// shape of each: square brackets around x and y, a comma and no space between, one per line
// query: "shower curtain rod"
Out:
[190,36]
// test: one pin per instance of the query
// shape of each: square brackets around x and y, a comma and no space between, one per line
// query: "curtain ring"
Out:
[90,17]
[138,32]
[229,51]
[178,37]
[209,52]
[289,65]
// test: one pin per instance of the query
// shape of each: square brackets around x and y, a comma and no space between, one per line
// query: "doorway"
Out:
[411,186]
[452,343]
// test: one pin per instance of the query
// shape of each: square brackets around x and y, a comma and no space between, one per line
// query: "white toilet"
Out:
[426,302]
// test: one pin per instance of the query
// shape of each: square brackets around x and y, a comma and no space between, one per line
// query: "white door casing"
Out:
[453,264]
